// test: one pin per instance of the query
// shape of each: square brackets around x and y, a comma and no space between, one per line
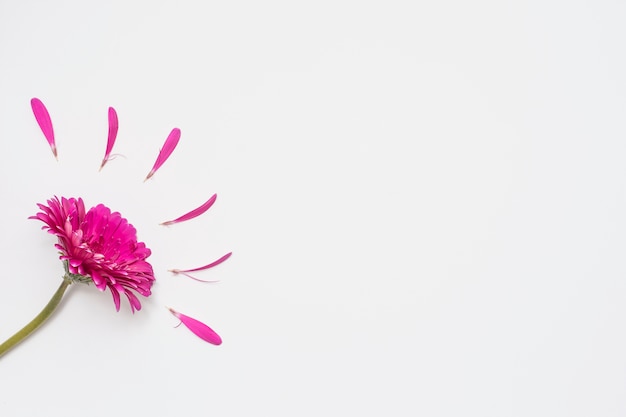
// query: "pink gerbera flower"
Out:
[99,246]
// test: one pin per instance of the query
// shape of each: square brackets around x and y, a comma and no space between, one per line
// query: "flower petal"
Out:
[201,268]
[198,328]
[43,118]
[113,126]
[166,151]
[193,213]
[116,298]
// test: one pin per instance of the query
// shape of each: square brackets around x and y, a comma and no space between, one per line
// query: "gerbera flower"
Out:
[99,246]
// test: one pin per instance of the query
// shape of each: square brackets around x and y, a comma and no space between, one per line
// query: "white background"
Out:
[425,203]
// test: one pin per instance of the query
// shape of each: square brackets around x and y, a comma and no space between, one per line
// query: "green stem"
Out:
[37,321]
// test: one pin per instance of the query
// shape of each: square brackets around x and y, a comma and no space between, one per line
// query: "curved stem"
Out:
[37,321]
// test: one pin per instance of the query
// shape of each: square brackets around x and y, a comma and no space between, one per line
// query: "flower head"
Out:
[99,245]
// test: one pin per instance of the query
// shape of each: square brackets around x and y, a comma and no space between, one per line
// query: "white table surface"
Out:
[425,203]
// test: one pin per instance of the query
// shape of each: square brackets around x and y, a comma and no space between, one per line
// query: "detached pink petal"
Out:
[200,329]
[43,118]
[193,213]
[166,151]
[202,268]
[113,125]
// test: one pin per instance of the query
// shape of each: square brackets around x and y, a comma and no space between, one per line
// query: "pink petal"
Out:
[200,329]
[202,268]
[166,151]
[43,118]
[116,298]
[113,125]
[193,213]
